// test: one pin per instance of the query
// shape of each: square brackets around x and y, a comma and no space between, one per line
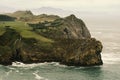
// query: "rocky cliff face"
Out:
[69,27]
[7,46]
[76,27]
[83,52]
[72,44]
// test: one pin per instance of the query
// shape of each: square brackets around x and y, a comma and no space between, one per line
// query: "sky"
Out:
[81,5]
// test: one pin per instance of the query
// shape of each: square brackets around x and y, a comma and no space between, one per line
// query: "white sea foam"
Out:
[17,71]
[11,68]
[57,64]
[7,73]
[20,64]
[38,77]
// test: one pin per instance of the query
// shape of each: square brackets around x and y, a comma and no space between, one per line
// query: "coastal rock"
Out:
[83,52]
[8,48]
[68,27]
[72,45]
[76,27]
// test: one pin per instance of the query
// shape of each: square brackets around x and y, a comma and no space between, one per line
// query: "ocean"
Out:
[110,70]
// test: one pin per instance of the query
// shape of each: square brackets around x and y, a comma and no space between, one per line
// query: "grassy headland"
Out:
[45,38]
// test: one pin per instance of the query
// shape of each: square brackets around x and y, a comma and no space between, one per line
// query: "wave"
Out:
[57,64]
[20,64]
[38,77]
[7,73]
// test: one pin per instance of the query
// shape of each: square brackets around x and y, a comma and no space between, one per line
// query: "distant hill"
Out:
[21,14]
[37,11]
[28,16]
[44,17]
[6,18]
[51,11]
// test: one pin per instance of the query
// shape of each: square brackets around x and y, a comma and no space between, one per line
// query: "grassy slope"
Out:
[23,29]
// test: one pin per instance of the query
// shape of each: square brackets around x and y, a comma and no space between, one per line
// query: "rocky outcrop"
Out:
[73,45]
[76,28]
[69,27]
[7,46]
[83,52]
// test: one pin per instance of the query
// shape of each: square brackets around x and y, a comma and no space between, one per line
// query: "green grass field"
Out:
[23,28]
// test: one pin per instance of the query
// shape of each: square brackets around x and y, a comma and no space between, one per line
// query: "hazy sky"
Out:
[97,5]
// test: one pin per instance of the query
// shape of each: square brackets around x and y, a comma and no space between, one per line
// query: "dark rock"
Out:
[84,52]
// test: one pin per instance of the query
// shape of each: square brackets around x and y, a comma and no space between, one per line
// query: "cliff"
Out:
[70,44]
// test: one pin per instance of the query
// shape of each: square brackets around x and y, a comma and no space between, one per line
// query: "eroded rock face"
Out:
[76,28]
[8,47]
[84,52]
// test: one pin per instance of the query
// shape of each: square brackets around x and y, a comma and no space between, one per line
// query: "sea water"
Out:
[110,70]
